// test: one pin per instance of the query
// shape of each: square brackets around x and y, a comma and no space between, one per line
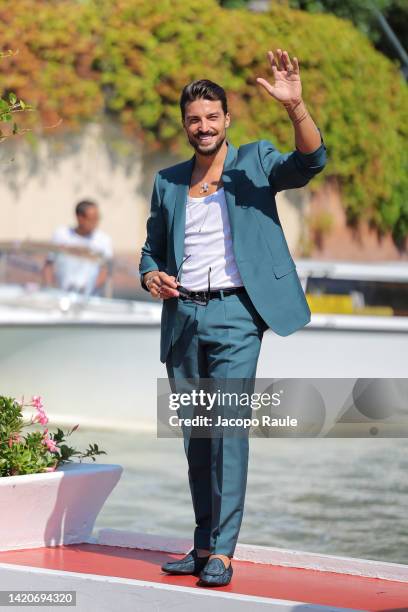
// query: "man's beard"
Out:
[208,151]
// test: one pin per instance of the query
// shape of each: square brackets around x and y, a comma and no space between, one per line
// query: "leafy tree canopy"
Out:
[131,58]
[360,12]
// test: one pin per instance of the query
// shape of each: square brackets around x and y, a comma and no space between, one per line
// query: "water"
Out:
[344,497]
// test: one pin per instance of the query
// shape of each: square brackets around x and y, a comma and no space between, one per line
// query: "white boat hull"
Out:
[104,375]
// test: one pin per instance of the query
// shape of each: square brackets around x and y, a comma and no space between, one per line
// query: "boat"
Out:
[64,344]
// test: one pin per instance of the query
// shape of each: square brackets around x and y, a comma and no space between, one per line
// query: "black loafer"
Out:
[215,573]
[190,564]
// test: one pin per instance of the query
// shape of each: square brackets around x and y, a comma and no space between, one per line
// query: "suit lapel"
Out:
[179,221]
[180,212]
[229,185]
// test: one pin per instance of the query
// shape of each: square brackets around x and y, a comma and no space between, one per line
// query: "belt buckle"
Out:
[186,294]
[200,298]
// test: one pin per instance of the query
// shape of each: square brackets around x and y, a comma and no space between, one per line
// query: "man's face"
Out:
[89,220]
[205,124]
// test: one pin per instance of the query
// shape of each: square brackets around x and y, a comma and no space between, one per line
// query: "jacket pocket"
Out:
[283,268]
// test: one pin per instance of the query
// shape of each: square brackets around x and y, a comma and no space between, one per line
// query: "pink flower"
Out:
[50,469]
[40,417]
[49,443]
[52,447]
[36,402]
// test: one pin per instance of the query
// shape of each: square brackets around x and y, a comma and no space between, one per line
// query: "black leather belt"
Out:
[185,294]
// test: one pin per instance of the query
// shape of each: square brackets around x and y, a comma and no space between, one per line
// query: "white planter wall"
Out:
[55,507]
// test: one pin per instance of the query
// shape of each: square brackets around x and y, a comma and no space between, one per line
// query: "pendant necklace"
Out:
[204,189]
[205,217]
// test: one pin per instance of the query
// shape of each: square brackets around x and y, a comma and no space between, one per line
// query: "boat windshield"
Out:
[47,266]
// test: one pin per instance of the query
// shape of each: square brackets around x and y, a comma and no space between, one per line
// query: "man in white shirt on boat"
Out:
[74,273]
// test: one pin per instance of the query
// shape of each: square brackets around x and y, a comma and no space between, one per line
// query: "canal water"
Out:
[346,497]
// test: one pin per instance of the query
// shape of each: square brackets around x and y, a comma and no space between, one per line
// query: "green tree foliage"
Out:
[234,3]
[53,66]
[360,12]
[131,58]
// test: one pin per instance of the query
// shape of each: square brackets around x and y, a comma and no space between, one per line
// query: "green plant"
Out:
[9,106]
[37,451]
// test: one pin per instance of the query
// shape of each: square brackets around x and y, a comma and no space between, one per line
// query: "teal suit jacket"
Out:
[252,175]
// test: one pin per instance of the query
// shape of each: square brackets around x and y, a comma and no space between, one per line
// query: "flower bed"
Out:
[46,498]
[38,450]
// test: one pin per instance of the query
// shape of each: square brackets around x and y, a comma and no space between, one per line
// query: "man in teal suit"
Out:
[214,220]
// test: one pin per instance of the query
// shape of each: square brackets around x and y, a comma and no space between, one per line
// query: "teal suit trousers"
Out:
[220,340]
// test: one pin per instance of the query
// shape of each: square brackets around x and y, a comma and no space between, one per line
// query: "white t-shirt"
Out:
[212,246]
[76,273]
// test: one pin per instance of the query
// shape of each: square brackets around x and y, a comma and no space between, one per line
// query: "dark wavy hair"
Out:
[82,207]
[202,89]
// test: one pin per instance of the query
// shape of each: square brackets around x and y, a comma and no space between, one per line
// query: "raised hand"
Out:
[287,87]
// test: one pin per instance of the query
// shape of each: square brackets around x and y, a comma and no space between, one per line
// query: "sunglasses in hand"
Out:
[197,297]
